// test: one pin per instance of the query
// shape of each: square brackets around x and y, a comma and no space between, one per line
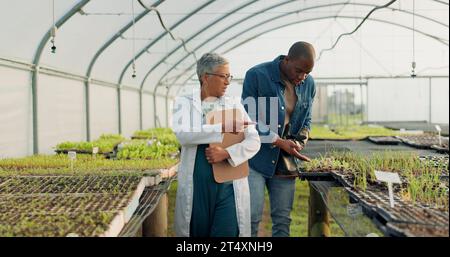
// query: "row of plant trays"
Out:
[69,205]
[147,203]
[384,140]
[425,141]
[404,219]
[108,155]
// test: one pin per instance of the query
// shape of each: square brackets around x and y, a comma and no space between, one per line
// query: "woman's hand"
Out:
[215,154]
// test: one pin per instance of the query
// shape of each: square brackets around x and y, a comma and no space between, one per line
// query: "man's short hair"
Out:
[302,50]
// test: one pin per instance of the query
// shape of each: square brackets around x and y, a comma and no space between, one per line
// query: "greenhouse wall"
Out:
[161,114]
[103,109]
[440,100]
[16,119]
[389,98]
[148,111]
[61,112]
[130,112]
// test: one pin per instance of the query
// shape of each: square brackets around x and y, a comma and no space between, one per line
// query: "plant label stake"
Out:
[72,157]
[94,151]
[438,128]
[354,210]
[389,178]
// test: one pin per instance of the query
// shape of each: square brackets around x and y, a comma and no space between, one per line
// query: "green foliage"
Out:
[58,225]
[350,132]
[421,178]
[105,144]
[141,149]
[162,143]
[60,164]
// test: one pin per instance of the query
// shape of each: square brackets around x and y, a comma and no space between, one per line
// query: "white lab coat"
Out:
[190,106]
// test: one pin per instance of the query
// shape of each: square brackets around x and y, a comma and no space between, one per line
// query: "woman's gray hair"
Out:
[208,62]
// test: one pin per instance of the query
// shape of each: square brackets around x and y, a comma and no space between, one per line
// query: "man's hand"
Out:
[235,126]
[292,148]
[215,154]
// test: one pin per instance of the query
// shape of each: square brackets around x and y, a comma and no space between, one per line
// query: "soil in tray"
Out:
[384,140]
[63,203]
[419,230]
[68,184]
[54,225]
[426,140]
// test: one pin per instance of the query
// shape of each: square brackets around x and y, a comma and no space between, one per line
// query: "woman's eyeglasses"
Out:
[226,77]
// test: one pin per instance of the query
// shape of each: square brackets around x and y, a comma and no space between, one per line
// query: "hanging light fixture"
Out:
[53,30]
[134,38]
[413,63]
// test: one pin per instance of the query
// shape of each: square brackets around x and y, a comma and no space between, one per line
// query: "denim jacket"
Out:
[264,80]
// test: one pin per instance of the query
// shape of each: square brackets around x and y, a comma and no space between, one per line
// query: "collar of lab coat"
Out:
[197,102]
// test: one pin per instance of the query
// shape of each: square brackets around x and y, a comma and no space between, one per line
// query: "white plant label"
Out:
[438,128]
[95,150]
[72,155]
[389,178]
[354,210]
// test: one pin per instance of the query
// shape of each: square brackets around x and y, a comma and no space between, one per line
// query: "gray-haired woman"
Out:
[205,208]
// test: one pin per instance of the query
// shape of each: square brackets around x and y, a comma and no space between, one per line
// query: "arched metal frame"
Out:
[82,3]
[94,60]
[290,24]
[36,62]
[275,18]
[122,74]
[273,29]
[284,15]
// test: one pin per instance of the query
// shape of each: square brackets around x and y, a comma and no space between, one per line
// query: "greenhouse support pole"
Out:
[88,109]
[155,117]
[430,100]
[367,102]
[362,104]
[140,110]
[119,109]
[167,108]
[319,216]
[329,107]
[36,61]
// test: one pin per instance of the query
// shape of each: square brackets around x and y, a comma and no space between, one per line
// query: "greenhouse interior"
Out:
[88,146]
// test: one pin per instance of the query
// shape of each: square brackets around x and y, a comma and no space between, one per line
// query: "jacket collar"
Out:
[275,72]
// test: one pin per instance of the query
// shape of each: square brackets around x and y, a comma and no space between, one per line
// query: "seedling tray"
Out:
[147,203]
[422,141]
[143,137]
[107,155]
[315,176]
[61,205]
[441,149]
[384,140]
[412,230]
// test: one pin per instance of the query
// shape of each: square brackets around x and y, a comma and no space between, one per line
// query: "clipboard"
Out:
[223,171]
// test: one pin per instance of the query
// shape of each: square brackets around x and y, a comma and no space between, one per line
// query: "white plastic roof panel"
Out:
[81,36]
[24,23]
[350,12]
